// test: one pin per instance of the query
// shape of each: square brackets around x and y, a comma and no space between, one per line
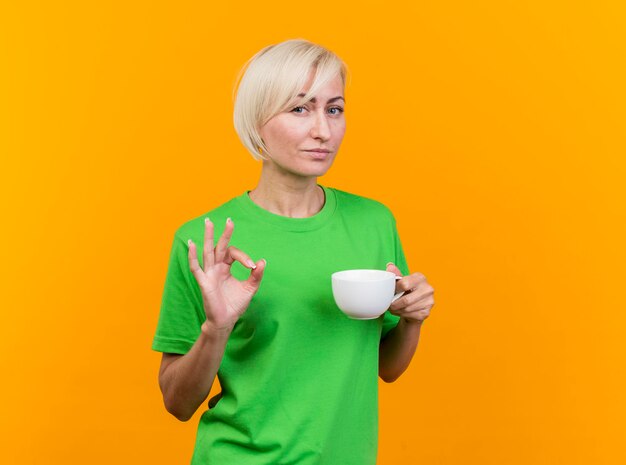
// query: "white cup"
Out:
[364,294]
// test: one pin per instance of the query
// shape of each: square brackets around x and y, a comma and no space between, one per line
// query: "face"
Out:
[304,140]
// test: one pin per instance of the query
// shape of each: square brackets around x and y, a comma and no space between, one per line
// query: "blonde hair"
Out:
[270,81]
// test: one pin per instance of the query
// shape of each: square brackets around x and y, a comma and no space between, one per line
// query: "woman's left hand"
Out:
[414,306]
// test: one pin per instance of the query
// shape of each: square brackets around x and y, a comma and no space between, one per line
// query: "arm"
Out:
[397,349]
[186,380]
[399,344]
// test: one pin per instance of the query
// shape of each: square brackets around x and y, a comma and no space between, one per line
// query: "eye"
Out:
[339,110]
[296,109]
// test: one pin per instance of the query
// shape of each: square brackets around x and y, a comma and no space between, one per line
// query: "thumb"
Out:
[256,274]
[394,269]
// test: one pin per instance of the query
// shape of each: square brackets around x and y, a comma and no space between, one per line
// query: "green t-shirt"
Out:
[299,379]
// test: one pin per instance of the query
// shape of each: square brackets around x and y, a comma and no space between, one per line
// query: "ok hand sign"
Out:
[225,298]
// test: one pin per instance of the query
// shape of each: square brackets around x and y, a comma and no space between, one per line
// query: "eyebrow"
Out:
[314,100]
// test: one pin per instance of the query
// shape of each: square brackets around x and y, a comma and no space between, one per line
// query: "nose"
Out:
[320,129]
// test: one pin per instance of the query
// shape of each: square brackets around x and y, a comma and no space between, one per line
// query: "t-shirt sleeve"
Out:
[182,312]
[390,320]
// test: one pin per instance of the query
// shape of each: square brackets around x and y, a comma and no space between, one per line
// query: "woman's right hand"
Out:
[225,298]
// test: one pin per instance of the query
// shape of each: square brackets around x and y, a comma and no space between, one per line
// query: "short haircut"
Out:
[270,81]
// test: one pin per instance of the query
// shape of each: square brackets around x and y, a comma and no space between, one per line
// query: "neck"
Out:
[287,196]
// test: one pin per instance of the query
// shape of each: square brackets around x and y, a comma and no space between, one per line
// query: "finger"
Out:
[208,254]
[233,253]
[394,269]
[421,304]
[222,244]
[409,298]
[414,283]
[425,304]
[399,303]
[254,280]
[194,266]
[420,315]
[403,288]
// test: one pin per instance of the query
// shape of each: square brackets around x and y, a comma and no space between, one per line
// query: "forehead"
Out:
[329,90]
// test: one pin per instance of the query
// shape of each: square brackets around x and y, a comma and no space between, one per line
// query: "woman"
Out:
[298,378]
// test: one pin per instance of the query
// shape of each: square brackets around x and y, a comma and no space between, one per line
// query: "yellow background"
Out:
[495,131]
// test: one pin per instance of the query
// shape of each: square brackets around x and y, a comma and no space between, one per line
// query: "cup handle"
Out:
[399,294]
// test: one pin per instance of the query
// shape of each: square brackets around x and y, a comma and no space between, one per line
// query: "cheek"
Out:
[290,136]
[284,134]
[340,130]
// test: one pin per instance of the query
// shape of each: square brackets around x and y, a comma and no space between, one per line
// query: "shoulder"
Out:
[354,203]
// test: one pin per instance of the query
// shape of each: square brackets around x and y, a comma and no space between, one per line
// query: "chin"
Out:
[310,168]
[320,171]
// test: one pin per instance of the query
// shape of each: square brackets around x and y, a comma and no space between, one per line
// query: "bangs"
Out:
[288,80]
[326,70]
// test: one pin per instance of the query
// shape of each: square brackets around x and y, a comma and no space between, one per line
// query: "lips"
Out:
[318,154]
